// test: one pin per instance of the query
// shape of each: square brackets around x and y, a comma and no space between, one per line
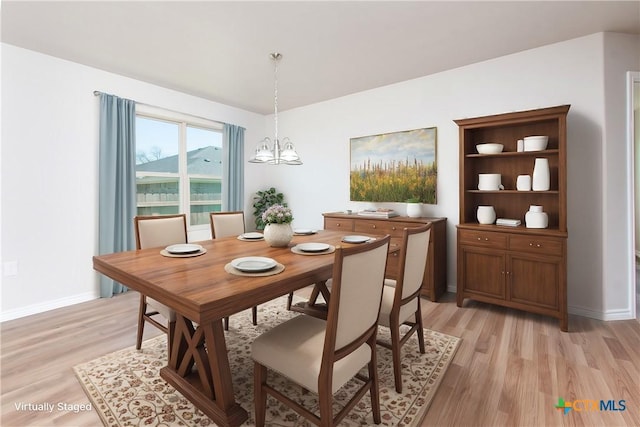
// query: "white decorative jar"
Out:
[278,235]
[540,181]
[414,210]
[486,214]
[536,218]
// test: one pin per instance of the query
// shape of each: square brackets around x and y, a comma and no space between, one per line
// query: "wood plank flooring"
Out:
[510,369]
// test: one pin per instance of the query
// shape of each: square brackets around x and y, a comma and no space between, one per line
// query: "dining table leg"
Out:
[199,369]
[311,307]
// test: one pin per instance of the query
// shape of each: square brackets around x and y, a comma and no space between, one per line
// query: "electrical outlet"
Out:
[10,268]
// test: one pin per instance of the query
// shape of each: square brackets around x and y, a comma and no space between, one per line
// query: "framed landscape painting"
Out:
[394,167]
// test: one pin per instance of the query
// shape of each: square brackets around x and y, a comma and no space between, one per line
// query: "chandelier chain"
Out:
[276,57]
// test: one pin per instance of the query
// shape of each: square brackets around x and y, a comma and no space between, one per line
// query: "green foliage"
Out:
[262,201]
[394,182]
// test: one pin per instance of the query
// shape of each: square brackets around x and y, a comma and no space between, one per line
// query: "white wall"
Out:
[571,72]
[49,149]
[618,301]
[49,172]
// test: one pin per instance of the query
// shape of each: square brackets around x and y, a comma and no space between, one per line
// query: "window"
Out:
[178,166]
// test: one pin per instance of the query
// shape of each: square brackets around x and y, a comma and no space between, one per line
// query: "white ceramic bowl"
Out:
[535,143]
[489,148]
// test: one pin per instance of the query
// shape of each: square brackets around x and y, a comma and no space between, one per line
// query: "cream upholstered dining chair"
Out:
[320,355]
[156,231]
[401,297]
[224,224]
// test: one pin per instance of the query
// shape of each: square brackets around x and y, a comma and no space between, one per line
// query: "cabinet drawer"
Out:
[536,244]
[484,239]
[374,227]
[338,224]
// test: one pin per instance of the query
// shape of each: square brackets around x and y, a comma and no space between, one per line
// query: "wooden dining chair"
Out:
[224,224]
[401,297]
[320,355]
[158,231]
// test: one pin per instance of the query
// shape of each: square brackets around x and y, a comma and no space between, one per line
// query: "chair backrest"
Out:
[225,224]
[160,230]
[413,260]
[356,293]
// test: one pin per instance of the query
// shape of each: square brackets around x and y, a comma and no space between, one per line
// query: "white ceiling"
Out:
[220,50]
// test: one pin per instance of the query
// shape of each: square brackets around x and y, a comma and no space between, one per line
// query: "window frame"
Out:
[183,121]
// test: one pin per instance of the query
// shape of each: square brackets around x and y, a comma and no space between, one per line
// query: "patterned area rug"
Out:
[126,389]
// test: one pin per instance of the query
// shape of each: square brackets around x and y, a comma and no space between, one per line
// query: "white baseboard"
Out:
[622,314]
[46,306]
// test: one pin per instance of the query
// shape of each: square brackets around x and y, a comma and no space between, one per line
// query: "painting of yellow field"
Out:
[394,167]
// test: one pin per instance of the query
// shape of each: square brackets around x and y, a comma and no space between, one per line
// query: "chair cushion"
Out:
[294,349]
[165,311]
[407,311]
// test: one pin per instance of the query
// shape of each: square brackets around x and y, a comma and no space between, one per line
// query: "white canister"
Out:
[490,182]
[540,181]
[523,183]
[414,210]
[536,218]
[486,214]
[520,145]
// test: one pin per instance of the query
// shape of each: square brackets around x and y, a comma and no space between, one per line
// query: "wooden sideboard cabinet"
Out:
[518,267]
[434,283]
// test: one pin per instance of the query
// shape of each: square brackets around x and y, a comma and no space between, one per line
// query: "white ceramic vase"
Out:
[540,181]
[536,218]
[278,235]
[486,214]
[414,210]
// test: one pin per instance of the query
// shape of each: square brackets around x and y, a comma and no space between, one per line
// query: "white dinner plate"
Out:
[183,248]
[313,247]
[356,239]
[252,236]
[253,264]
[303,231]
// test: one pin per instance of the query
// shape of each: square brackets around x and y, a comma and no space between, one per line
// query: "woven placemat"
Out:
[331,250]
[279,268]
[170,255]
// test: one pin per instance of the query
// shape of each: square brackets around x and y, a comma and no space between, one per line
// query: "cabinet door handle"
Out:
[486,239]
[393,228]
[373,226]
[338,225]
[537,245]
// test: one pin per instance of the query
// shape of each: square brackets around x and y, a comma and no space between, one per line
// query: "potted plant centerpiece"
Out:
[414,207]
[277,230]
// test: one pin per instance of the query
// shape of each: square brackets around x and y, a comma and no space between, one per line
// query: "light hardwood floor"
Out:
[510,369]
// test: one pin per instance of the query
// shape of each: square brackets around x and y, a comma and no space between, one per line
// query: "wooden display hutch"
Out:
[517,267]
[434,283]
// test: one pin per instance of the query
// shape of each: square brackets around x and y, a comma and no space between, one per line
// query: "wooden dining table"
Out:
[202,292]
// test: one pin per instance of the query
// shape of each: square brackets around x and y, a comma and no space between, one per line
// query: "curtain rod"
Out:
[97,92]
